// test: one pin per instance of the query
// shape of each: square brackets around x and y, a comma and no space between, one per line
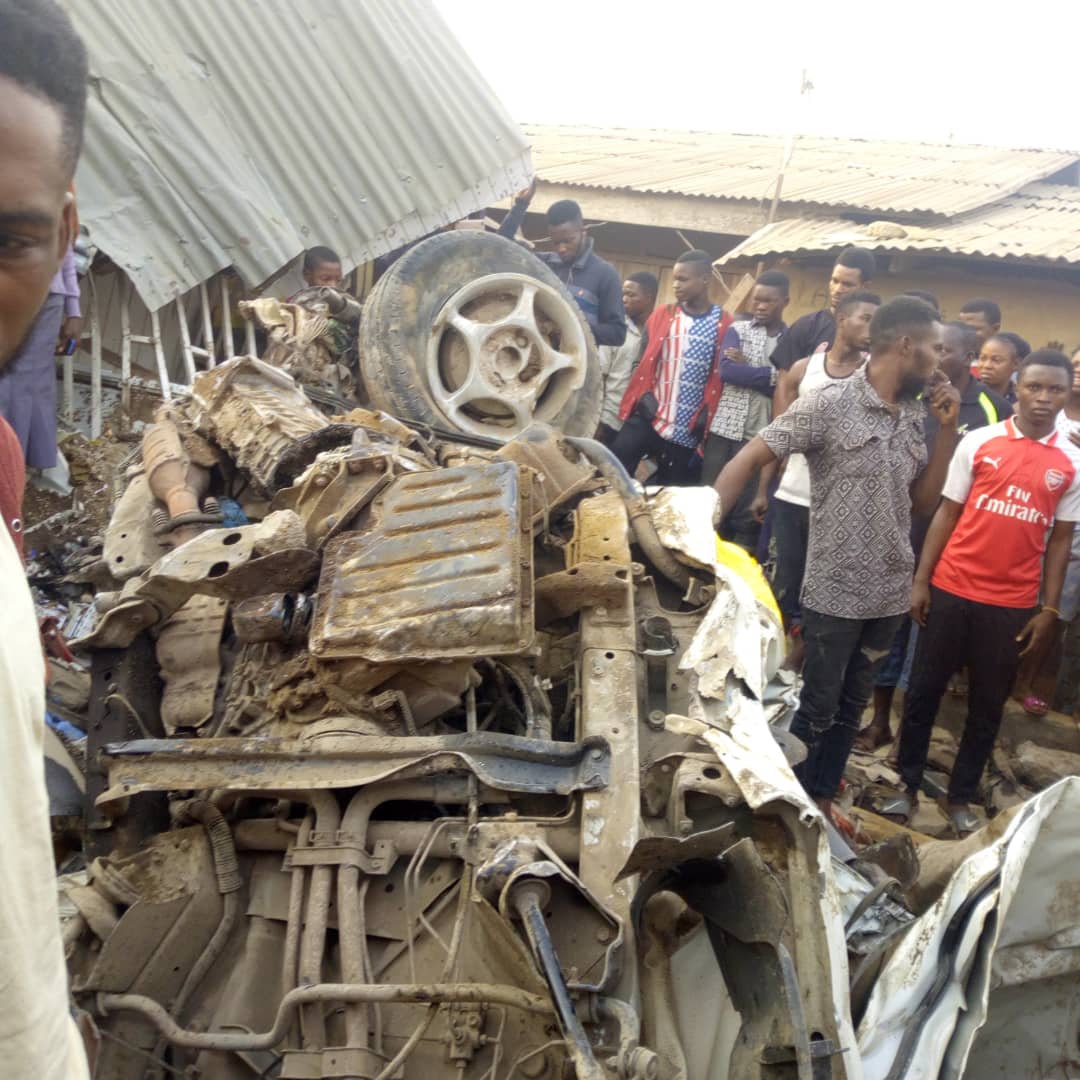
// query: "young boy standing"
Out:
[666,407]
[977,586]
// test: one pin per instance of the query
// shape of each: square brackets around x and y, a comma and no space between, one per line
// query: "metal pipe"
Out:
[227,871]
[613,471]
[396,993]
[264,834]
[291,951]
[313,940]
[351,895]
[527,899]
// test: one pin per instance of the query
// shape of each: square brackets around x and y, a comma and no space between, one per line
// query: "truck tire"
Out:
[470,332]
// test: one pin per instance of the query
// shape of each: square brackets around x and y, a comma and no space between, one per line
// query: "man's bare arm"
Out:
[944,401]
[1041,626]
[941,528]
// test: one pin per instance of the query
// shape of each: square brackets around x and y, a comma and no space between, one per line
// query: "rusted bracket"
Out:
[587,585]
[380,860]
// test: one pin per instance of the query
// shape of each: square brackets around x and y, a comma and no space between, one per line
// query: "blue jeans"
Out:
[842,658]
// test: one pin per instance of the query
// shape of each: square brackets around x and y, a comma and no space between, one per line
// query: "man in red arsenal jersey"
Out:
[977,586]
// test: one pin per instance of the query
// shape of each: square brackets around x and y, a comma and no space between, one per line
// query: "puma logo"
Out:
[996,462]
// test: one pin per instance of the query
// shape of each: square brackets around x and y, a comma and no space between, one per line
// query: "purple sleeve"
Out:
[71,285]
[735,373]
[755,378]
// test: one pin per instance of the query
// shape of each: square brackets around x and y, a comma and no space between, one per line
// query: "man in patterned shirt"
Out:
[745,405]
[868,462]
[666,406]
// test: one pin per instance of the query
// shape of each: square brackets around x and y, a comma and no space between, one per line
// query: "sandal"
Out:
[1035,706]
[963,822]
[899,806]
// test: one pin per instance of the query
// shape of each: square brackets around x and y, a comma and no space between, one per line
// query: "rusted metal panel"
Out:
[879,175]
[446,572]
[201,153]
[1040,224]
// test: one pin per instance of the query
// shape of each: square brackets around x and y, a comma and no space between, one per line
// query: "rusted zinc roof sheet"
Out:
[240,134]
[1041,223]
[878,176]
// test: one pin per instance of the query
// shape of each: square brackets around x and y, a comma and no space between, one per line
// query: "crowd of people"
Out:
[912,481]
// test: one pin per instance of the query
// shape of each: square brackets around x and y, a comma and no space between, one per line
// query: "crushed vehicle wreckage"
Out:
[437,724]
[415,753]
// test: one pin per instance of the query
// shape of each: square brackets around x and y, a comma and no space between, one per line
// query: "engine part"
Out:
[274,617]
[444,571]
[256,413]
[335,488]
[130,544]
[189,659]
[229,563]
[176,481]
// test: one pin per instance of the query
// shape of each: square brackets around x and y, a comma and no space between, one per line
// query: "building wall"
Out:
[1039,305]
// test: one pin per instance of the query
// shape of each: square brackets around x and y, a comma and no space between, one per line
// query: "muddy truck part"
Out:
[436,760]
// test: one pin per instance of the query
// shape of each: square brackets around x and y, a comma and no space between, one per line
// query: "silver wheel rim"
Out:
[505,350]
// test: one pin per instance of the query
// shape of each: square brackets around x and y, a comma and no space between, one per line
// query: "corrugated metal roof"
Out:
[1040,223]
[240,134]
[896,177]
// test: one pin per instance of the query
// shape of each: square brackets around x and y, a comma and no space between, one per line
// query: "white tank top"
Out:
[795,483]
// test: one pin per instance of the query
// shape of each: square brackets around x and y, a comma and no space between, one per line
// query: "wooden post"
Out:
[226,320]
[125,344]
[208,325]
[185,340]
[95,363]
[159,354]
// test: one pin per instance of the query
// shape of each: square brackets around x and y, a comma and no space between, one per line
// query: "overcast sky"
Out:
[931,70]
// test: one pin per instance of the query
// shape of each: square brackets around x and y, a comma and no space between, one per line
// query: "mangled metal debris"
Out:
[413,757]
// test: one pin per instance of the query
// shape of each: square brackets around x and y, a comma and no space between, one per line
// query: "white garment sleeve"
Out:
[1068,509]
[38,1038]
[959,477]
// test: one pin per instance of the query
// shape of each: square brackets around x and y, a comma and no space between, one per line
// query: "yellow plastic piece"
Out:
[741,562]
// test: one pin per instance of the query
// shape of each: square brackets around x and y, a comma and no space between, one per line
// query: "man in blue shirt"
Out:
[592,282]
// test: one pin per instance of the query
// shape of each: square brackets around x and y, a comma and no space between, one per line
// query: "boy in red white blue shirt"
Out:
[976,590]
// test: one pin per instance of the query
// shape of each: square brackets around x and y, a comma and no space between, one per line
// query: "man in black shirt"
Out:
[853,270]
